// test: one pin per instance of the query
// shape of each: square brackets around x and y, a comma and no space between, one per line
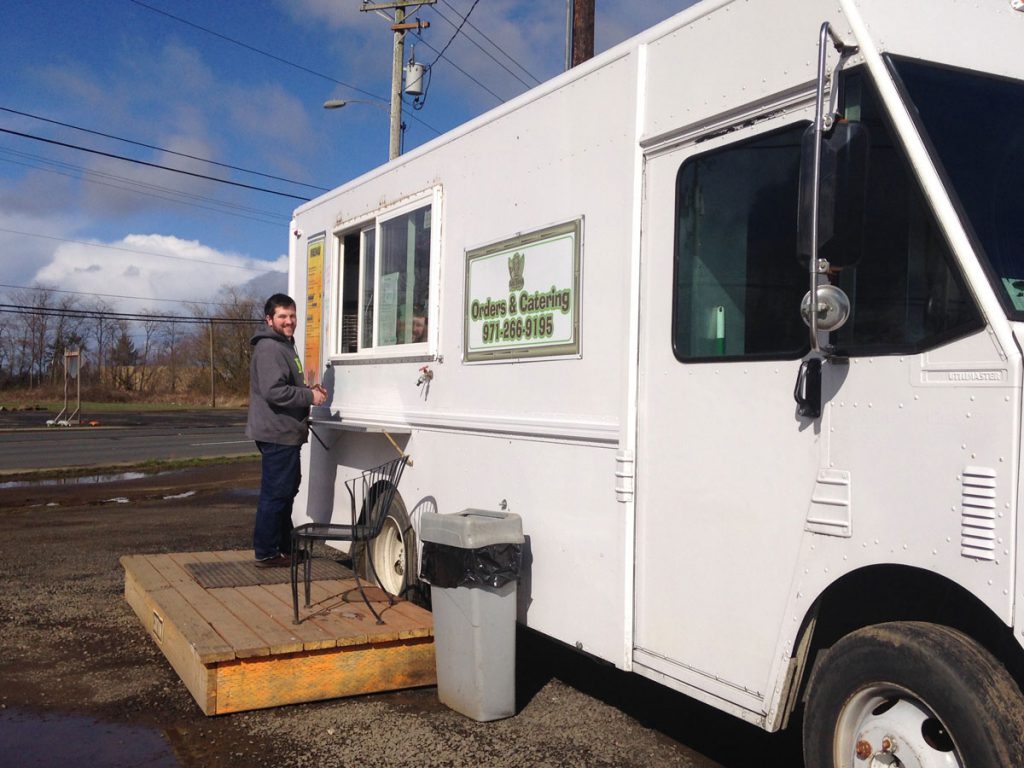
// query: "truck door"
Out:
[726,466]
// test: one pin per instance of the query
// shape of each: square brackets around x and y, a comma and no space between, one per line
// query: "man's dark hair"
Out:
[275,301]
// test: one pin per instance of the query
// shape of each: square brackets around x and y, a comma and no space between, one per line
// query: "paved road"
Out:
[27,444]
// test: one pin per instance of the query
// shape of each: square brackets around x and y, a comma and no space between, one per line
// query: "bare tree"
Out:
[99,329]
[170,335]
[231,351]
[123,359]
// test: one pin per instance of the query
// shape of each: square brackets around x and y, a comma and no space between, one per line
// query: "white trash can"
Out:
[471,561]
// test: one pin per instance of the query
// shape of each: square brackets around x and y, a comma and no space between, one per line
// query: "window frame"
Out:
[372,222]
[676,297]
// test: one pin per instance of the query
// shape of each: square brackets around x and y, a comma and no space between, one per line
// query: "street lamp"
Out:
[395,144]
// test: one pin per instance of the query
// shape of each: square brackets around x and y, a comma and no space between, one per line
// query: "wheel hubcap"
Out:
[890,726]
[389,557]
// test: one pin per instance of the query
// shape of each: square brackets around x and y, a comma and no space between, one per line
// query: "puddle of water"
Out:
[40,741]
[87,480]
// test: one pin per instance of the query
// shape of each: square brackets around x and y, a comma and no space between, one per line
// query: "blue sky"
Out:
[80,221]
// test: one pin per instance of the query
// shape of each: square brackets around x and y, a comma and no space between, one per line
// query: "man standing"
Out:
[279,402]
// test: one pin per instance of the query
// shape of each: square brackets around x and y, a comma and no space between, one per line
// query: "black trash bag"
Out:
[443,565]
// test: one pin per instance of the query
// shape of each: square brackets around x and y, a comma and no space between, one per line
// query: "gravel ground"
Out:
[81,683]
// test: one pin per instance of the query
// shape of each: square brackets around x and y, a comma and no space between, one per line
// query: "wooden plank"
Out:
[313,635]
[199,679]
[255,614]
[402,620]
[316,675]
[421,621]
[274,620]
[208,645]
[145,575]
[176,610]
[235,618]
[234,632]
[170,570]
[346,632]
[338,607]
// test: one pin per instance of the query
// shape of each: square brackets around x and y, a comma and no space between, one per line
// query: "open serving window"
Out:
[387,280]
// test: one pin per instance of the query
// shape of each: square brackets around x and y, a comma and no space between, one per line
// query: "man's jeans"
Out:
[272,534]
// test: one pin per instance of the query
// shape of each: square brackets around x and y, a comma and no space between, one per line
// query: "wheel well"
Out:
[901,593]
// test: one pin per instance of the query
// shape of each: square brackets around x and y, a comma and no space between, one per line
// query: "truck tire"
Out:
[915,695]
[393,551]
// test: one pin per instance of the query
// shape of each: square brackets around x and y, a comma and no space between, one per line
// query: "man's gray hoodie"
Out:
[279,399]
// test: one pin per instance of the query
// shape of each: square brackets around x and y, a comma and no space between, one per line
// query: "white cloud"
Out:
[151,268]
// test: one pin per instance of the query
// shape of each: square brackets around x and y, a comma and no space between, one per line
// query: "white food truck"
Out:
[591,307]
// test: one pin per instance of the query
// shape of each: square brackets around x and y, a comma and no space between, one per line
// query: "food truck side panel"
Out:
[536,435]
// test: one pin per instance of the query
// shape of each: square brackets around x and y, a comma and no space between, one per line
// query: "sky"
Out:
[180,83]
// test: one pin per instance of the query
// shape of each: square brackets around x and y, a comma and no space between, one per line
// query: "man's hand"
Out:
[319,394]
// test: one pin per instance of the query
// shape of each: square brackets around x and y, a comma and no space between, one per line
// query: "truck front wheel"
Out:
[915,695]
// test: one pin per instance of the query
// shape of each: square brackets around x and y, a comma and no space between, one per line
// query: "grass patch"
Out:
[150,467]
[54,406]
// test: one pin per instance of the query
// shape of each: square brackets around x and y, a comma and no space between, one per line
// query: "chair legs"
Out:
[302,552]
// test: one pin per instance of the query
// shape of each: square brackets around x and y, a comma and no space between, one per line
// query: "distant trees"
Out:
[141,354]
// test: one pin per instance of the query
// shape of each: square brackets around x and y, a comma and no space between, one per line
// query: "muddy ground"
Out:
[81,683]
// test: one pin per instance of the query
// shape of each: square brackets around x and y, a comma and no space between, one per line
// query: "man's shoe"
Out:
[277,561]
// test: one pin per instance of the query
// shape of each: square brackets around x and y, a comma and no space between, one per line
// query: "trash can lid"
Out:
[472,528]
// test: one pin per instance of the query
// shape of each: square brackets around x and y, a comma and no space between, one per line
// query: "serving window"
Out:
[387,282]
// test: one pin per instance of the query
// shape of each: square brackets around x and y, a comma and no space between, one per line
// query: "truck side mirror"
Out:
[843,190]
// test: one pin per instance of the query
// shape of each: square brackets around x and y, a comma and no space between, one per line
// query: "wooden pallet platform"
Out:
[235,647]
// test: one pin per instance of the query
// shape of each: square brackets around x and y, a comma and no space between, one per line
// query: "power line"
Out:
[129,186]
[269,55]
[483,50]
[441,55]
[134,250]
[459,69]
[489,40]
[151,165]
[161,149]
[115,295]
[18,309]
[456,32]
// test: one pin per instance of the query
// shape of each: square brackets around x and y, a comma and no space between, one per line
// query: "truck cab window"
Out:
[906,290]
[960,109]
[738,283]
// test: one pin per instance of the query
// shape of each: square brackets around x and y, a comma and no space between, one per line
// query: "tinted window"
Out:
[738,282]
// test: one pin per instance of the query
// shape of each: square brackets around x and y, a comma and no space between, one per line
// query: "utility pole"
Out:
[213,375]
[580,32]
[399,27]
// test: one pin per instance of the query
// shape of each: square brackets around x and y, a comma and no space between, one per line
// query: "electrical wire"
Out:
[116,295]
[86,314]
[459,69]
[489,40]
[138,187]
[483,50]
[456,32]
[134,250]
[278,59]
[150,165]
[161,149]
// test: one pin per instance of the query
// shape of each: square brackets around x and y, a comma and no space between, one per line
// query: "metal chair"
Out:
[370,494]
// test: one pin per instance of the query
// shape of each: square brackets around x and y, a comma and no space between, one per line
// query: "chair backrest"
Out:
[371,493]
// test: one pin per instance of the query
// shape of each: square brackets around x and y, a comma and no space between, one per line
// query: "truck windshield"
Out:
[974,123]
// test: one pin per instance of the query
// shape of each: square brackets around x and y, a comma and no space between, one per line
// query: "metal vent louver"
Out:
[978,514]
